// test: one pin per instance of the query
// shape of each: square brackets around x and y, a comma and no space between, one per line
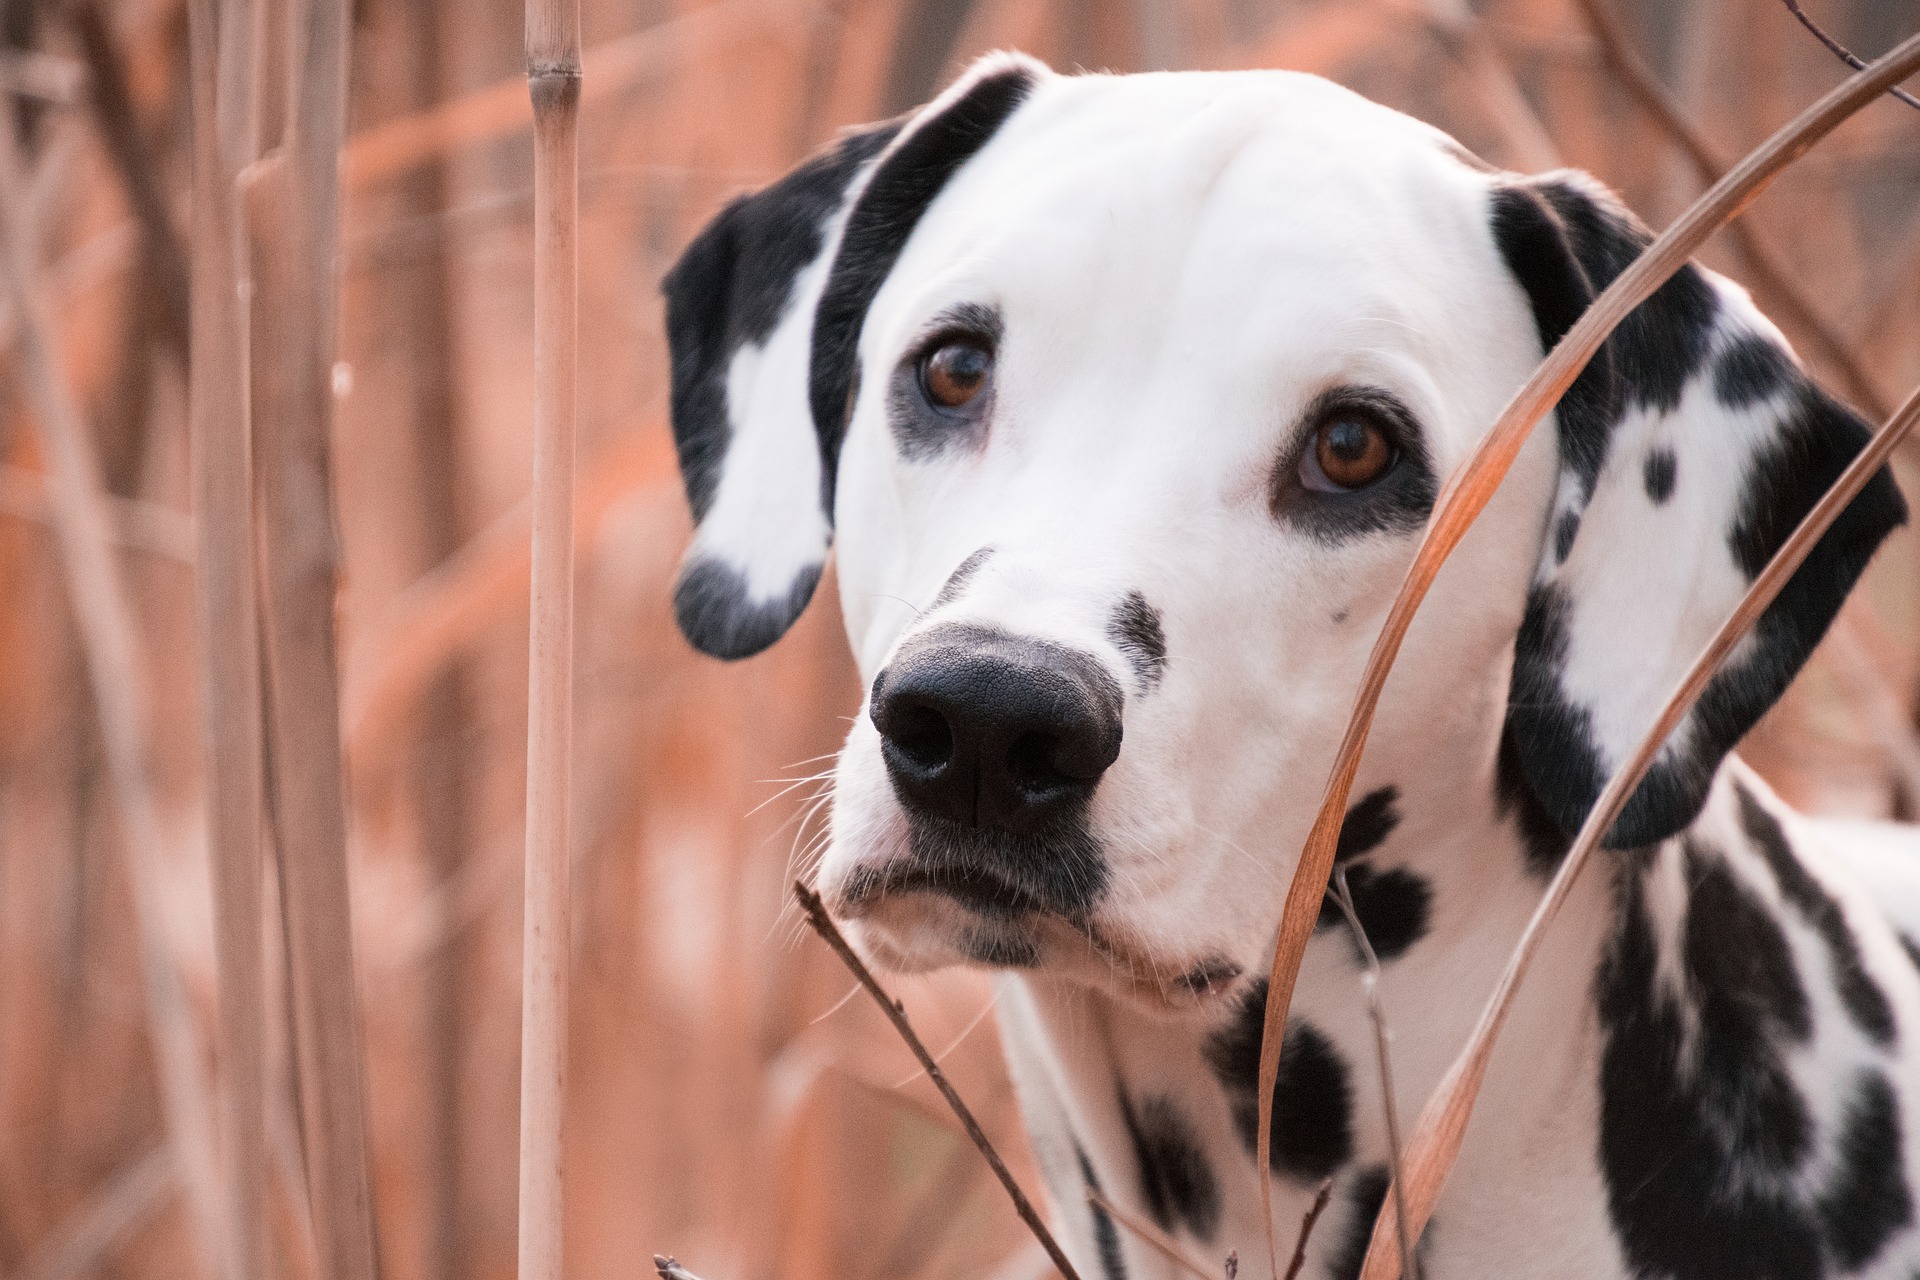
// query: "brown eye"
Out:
[953,375]
[1348,453]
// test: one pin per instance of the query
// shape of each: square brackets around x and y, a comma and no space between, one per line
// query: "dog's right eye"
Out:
[953,374]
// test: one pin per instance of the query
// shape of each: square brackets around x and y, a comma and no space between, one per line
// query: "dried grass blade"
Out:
[1443,1122]
[1467,493]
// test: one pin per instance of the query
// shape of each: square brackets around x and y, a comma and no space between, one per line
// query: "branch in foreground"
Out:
[1314,1210]
[896,1013]
[1148,1234]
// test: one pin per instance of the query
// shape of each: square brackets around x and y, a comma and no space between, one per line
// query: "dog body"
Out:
[1126,400]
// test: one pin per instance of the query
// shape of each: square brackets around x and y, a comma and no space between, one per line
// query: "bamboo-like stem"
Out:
[823,925]
[1443,1122]
[229,633]
[1467,493]
[553,80]
[117,676]
[292,205]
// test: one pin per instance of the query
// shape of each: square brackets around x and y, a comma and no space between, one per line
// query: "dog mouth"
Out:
[980,891]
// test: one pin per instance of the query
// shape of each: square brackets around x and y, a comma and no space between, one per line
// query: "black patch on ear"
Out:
[732,285]
[1135,630]
[1312,1130]
[957,580]
[1568,775]
[1543,840]
[1868,1200]
[1392,907]
[1866,1003]
[901,189]
[719,617]
[1176,1181]
[1683,1105]
[1106,1237]
[1750,370]
[1658,474]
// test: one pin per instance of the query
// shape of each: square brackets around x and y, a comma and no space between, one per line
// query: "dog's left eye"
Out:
[1347,452]
[953,373]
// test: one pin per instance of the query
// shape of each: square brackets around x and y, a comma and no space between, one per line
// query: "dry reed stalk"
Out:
[1470,488]
[500,110]
[1443,1122]
[553,83]
[117,677]
[1768,275]
[292,214]
[134,524]
[822,923]
[228,615]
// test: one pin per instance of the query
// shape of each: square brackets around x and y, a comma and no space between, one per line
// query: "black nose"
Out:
[988,729]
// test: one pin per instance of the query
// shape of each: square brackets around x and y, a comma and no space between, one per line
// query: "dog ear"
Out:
[760,388]
[1690,448]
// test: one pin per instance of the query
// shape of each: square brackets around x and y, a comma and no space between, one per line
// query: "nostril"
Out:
[921,734]
[1033,766]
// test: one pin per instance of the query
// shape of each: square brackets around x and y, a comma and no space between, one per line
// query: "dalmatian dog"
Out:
[1125,400]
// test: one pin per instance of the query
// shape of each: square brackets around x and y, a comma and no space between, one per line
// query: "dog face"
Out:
[1128,400]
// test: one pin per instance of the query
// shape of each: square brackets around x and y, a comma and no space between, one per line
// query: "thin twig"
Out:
[1467,493]
[1312,1216]
[896,1013]
[1370,981]
[670,1268]
[1147,1233]
[1841,51]
[1443,1122]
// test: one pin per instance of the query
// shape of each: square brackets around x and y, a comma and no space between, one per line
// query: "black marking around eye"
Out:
[1865,1002]
[1399,502]
[1312,1130]
[1684,1098]
[957,580]
[885,214]
[1106,1237]
[1176,1181]
[1751,369]
[1135,630]
[1658,473]
[1868,1199]
[924,431]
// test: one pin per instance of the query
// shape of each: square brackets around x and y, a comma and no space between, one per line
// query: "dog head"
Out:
[1126,400]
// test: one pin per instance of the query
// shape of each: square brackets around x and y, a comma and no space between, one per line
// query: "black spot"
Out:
[1392,907]
[1135,630]
[1368,823]
[1751,369]
[900,191]
[1312,1130]
[1867,1201]
[1912,948]
[719,615]
[1541,838]
[1658,474]
[1866,1003]
[1565,530]
[1176,1181]
[1365,1196]
[1682,1107]
[732,286]
[1106,1237]
[957,580]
